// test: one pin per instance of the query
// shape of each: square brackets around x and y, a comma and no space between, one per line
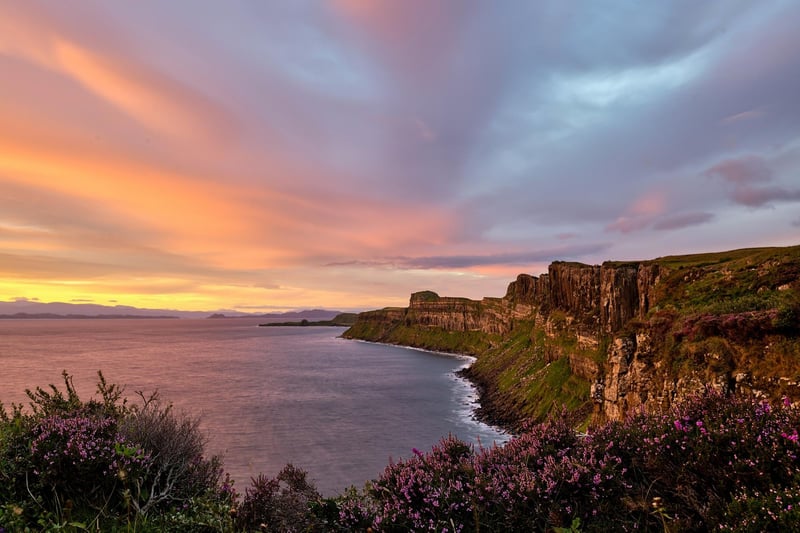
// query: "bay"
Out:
[267,396]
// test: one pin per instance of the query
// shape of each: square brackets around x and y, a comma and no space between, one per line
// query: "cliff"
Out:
[605,340]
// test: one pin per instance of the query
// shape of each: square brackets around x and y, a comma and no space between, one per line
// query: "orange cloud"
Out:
[146,96]
[151,98]
[138,192]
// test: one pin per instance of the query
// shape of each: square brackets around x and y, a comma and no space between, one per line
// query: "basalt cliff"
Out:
[605,340]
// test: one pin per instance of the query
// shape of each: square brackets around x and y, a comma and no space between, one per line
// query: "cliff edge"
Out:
[606,340]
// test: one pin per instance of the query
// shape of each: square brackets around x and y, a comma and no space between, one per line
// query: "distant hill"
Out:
[33,309]
[27,316]
[29,309]
[309,314]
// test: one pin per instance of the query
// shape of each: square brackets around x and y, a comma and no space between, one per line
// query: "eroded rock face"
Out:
[598,298]
[575,288]
[619,296]
[626,382]
[493,316]
[599,318]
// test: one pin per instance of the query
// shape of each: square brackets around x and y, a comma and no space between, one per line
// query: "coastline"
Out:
[489,411]
[485,410]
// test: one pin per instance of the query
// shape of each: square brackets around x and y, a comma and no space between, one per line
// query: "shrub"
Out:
[697,457]
[82,458]
[712,461]
[176,470]
[428,492]
[103,461]
[787,320]
[283,503]
[680,470]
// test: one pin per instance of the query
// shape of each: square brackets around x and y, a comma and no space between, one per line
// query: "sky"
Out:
[291,154]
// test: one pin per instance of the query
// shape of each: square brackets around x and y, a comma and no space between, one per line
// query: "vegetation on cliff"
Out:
[607,340]
[709,462]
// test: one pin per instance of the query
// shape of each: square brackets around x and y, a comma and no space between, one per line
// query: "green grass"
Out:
[730,282]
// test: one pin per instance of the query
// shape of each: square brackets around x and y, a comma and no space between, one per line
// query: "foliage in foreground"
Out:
[104,464]
[714,462]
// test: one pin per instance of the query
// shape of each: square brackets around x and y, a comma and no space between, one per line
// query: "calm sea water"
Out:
[340,409]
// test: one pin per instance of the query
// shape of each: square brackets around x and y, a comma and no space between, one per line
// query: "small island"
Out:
[342,319]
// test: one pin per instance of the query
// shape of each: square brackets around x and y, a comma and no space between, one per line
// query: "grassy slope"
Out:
[526,374]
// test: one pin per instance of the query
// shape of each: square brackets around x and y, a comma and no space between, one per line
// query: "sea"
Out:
[266,396]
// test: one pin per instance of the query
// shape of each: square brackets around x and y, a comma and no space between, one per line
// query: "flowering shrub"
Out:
[83,457]
[711,462]
[354,511]
[428,492]
[754,511]
[740,327]
[682,470]
[281,504]
[697,456]
[75,464]
[547,477]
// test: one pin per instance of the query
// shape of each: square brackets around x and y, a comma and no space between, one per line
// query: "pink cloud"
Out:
[747,169]
[743,173]
[640,213]
[650,204]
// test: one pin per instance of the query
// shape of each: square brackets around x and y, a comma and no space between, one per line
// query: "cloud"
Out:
[146,95]
[469,261]
[233,152]
[683,220]
[69,44]
[640,213]
[741,171]
[628,224]
[744,173]
[796,222]
[649,204]
[757,197]
[751,114]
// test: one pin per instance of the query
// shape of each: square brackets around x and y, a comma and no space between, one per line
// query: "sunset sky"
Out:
[292,154]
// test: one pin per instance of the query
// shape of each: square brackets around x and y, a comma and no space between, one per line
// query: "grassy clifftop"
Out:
[606,340]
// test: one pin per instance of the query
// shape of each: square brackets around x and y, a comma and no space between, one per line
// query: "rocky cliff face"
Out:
[428,309]
[621,336]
